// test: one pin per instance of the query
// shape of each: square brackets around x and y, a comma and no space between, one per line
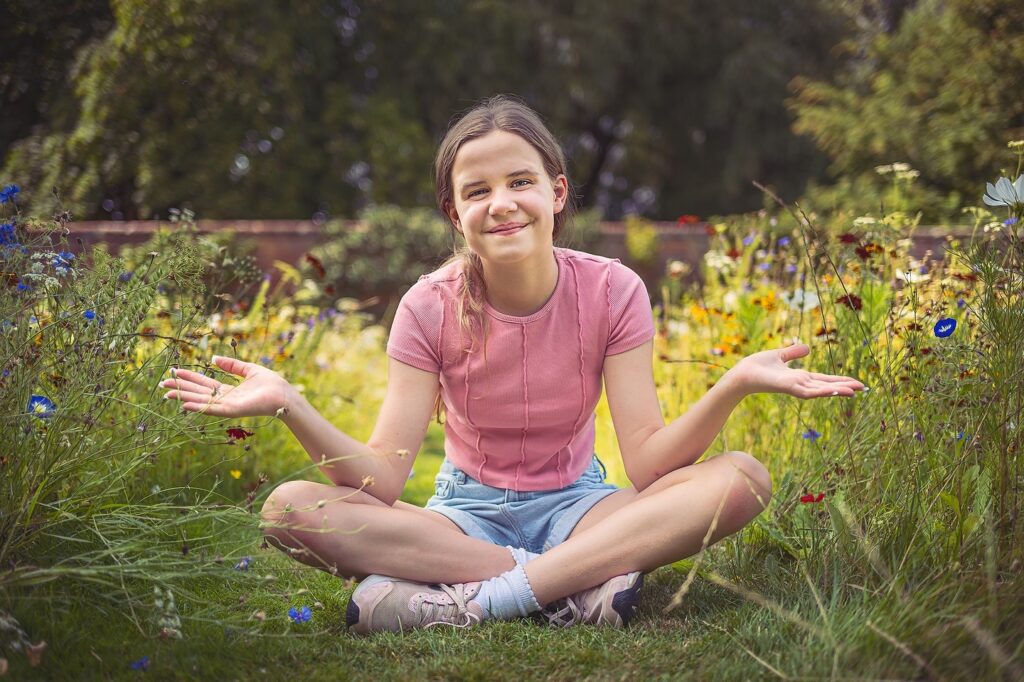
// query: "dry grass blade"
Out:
[1003,661]
[906,651]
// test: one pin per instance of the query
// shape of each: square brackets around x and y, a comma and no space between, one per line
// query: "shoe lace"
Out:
[569,614]
[432,613]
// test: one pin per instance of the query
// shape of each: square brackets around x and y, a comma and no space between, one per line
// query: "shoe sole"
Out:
[351,613]
[625,602]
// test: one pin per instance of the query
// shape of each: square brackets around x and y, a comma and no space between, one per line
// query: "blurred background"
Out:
[122,109]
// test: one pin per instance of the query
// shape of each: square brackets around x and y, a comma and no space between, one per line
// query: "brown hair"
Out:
[510,115]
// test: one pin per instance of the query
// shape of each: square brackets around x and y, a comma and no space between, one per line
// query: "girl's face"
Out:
[504,203]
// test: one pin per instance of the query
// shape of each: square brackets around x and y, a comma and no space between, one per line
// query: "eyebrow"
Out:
[524,171]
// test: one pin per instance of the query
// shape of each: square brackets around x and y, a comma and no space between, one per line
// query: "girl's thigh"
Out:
[428,514]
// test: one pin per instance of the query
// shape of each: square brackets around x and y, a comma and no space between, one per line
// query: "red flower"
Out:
[238,434]
[865,251]
[811,498]
[687,219]
[317,265]
[851,300]
[733,253]
[848,238]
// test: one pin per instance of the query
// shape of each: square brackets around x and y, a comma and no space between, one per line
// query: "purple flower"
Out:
[8,192]
[300,615]
[141,664]
[764,266]
[125,277]
[790,267]
[1010,221]
[23,287]
[811,435]
[945,327]
[89,315]
[960,303]
[748,240]
[784,241]
[243,565]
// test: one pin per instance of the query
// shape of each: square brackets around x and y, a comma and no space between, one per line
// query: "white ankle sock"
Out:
[507,596]
[521,555]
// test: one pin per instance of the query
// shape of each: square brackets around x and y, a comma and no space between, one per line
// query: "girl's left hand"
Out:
[768,372]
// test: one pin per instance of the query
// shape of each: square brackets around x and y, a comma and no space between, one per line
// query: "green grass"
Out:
[715,633]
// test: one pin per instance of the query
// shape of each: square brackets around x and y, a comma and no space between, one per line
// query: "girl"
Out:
[513,336]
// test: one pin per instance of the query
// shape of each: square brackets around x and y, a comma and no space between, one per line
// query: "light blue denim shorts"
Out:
[533,520]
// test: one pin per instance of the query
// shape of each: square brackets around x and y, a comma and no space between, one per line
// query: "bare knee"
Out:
[749,484]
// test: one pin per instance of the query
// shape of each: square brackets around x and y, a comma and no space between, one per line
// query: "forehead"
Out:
[496,153]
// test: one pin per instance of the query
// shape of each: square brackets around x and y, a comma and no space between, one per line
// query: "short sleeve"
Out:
[416,331]
[632,319]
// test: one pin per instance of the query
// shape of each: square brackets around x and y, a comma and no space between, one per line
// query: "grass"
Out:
[715,634]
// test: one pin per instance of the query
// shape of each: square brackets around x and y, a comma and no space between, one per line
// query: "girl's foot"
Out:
[612,603]
[381,604]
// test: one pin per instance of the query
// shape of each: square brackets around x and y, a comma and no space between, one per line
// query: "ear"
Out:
[561,187]
[453,216]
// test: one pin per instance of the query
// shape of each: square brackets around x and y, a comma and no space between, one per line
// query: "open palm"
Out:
[260,394]
[769,372]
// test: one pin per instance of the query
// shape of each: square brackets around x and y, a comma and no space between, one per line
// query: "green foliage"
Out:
[381,255]
[941,93]
[641,241]
[273,111]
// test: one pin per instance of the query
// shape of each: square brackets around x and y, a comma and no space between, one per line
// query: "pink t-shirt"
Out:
[525,420]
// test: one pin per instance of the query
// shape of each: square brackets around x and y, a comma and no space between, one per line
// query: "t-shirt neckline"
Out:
[523,319]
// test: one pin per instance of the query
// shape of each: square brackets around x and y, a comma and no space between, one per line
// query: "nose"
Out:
[502,202]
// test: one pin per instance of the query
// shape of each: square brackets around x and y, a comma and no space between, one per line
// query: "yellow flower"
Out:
[699,314]
[235,473]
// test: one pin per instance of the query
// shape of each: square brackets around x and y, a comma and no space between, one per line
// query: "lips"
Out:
[507,229]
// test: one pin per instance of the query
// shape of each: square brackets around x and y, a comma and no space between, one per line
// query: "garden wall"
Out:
[288,240]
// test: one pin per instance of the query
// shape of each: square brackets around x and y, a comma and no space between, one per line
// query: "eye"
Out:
[521,180]
[474,193]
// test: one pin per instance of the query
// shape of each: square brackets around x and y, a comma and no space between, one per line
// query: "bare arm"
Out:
[401,425]
[650,448]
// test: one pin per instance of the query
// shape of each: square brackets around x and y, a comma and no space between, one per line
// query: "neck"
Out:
[523,288]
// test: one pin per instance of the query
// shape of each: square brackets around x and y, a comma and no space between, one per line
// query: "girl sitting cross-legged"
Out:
[512,337]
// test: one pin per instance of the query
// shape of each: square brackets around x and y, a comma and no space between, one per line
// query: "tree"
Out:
[277,109]
[942,93]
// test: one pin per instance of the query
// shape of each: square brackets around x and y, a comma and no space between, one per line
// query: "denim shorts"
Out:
[533,520]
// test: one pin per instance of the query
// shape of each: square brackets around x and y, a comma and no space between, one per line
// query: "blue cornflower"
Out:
[959,435]
[266,361]
[1010,221]
[141,664]
[23,287]
[7,234]
[960,303]
[748,240]
[784,241]
[8,192]
[300,615]
[945,327]
[243,565]
[41,406]
[790,267]
[810,435]
[125,277]
[764,266]
[89,315]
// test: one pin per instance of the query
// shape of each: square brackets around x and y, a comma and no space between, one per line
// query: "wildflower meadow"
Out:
[130,540]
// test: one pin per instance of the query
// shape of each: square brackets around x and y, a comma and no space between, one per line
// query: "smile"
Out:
[507,230]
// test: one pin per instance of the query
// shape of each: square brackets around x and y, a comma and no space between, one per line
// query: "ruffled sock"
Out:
[509,595]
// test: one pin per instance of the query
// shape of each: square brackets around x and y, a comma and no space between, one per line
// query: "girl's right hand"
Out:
[261,393]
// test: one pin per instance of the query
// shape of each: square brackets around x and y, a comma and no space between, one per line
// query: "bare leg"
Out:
[349,532]
[667,521]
